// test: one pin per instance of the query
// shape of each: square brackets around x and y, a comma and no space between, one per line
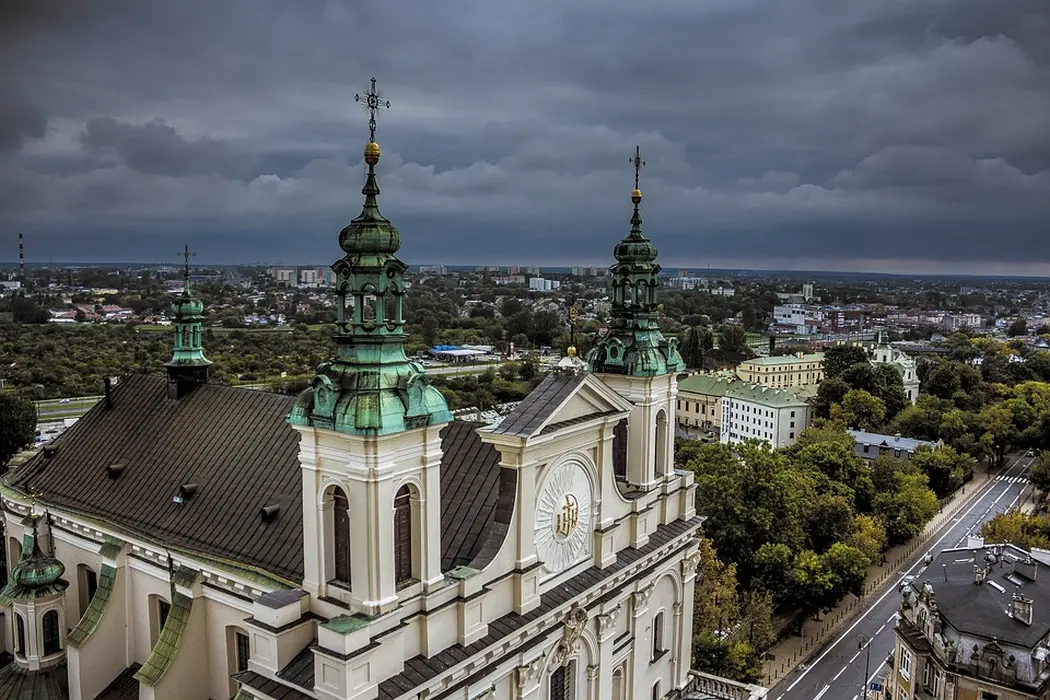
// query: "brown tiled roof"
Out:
[233,443]
[469,490]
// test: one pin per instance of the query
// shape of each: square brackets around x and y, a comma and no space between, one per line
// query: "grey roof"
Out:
[49,683]
[233,443]
[123,687]
[528,418]
[236,446]
[981,609]
[892,441]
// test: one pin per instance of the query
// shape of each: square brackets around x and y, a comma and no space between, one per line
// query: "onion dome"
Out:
[37,571]
[370,233]
[186,306]
[635,249]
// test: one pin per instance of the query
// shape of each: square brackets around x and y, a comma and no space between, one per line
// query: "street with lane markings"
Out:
[836,671]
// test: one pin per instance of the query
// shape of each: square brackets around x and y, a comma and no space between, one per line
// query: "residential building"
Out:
[539,284]
[797,318]
[871,445]
[957,322]
[800,369]
[354,542]
[886,354]
[699,407]
[433,270]
[975,628]
[765,413]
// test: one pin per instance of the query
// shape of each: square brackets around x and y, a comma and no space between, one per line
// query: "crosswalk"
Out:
[1012,479]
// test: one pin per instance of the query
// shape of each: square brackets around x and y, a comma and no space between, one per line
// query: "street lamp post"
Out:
[864,641]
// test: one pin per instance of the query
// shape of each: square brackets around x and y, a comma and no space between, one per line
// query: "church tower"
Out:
[188,367]
[633,356]
[370,425]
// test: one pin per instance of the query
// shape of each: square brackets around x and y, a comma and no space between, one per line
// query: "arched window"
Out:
[20,636]
[619,456]
[341,535]
[87,584]
[618,685]
[658,635]
[403,536]
[561,685]
[661,444]
[52,641]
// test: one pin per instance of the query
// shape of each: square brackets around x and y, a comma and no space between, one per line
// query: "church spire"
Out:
[188,366]
[633,343]
[370,387]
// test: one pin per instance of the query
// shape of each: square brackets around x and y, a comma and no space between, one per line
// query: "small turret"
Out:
[188,367]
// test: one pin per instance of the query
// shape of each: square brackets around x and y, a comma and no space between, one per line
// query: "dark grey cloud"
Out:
[776,134]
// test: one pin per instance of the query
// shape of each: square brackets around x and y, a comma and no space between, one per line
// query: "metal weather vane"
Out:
[186,254]
[372,102]
[638,164]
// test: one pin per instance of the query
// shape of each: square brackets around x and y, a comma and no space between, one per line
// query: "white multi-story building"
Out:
[799,318]
[776,416]
[539,284]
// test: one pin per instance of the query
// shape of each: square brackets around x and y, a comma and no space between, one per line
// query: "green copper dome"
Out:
[370,387]
[36,575]
[633,343]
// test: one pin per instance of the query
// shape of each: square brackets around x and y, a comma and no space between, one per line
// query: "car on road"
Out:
[905,582]
[1030,453]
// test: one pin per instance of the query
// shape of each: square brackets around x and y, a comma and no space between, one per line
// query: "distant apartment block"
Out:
[539,284]
[685,282]
[783,370]
[433,270]
[797,318]
[775,416]
[509,279]
[588,271]
[958,322]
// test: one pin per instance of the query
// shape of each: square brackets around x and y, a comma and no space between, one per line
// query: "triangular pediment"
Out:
[562,400]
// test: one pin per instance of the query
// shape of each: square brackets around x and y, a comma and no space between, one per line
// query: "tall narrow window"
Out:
[163,608]
[243,651]
[403,535]
[620,450]
[20,642]
[341,535]
[662,466]
[656,690]
[561,682]
[52,643]
[658,635]
[87,583]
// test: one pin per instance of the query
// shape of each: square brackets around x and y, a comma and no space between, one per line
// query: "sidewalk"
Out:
[790,652]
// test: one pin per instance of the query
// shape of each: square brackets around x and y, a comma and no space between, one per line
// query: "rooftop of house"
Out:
[707,384]
[985,609]
[896,442]
[778,360]
[771,397]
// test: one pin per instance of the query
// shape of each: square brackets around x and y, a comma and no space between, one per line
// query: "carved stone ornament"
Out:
[677,609]
[530,672]
[641,598]
[690,563]
[575,621]
[607,621]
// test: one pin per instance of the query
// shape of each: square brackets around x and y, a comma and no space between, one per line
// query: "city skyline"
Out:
[860,138]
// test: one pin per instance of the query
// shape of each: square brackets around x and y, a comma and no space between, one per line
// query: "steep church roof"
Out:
[126,465]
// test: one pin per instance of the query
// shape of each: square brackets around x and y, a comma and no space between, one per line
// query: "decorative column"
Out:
[643,635]
[606,640]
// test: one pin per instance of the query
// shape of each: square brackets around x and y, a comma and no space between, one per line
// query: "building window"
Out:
[341,535]
[561,682]
[87,584]
[792,414]
[20,640]
[403,535]
[619,455]
[52,642]
[896,453]
[656,690]
[985,695]
[792,424]
[658,636]
[158,615]
[791,436]
[904,665]
[662,466]
[243,651]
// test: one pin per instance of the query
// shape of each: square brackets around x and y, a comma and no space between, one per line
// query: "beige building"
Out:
[769,414]
[783,370]
[699,406]
[975,629]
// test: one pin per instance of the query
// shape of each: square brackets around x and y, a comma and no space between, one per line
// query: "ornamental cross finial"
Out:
[638,163]
[186,255]
[373,103]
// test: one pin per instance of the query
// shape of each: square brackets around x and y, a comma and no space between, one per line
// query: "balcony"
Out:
[703,686]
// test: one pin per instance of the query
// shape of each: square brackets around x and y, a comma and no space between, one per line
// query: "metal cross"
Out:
[373,103]
[186,255]
[572,323]
[638,163]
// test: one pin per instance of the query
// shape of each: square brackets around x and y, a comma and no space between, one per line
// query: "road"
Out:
[836,672]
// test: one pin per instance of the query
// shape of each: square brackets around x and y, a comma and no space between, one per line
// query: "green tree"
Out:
[17,425]
[1039,474]
[830,392]
[1000,434]
[848,567]
[1019,327]
[860,409]
[946,469]
[1026,530]
[732,338]
[839,358]
[529,366]
[869,536]
[905,511]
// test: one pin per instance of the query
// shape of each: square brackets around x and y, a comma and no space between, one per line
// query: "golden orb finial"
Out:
[636,195]
[571,352]
[372,152]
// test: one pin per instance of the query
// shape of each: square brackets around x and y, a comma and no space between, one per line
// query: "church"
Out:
[191,541]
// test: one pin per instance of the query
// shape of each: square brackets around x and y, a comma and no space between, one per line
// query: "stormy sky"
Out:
[898,135]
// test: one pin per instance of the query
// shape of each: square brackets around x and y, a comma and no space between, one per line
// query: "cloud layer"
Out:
[839,135]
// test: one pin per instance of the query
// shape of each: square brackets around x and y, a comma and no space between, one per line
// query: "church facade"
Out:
[189,541]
